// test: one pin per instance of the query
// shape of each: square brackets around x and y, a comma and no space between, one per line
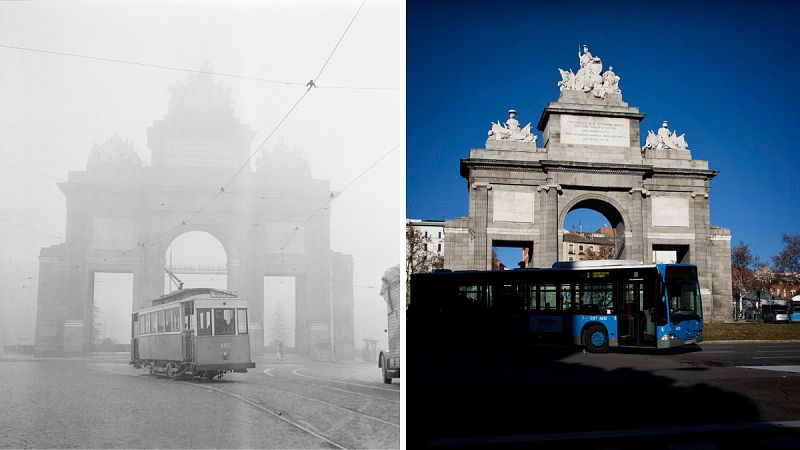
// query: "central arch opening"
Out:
[592,229]
[197,259]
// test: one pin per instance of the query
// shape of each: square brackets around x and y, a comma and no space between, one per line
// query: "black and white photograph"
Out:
[201,226]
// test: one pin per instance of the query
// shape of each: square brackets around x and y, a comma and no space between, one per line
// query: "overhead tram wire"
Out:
[154,66]
[185,70]
[94,188]
[310,84]
[333,196]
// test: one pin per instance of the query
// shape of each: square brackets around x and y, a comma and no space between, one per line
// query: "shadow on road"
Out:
[529,390]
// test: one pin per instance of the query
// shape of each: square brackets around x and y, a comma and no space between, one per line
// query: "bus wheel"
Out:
[386,378]
[595,339]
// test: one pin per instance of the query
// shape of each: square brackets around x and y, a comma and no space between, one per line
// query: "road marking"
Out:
[776,351]
[795,369]
[266,372]
[342,382]
[777,357]
[717,351]
[582,436]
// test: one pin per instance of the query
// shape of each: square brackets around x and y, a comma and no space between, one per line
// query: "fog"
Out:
[56,108]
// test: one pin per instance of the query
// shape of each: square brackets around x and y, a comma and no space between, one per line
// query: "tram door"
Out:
[636,315]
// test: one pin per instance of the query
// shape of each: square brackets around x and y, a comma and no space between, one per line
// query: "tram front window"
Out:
[224,322]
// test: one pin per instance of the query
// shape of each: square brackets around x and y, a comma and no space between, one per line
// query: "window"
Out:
[146,321]
[161,321]
[168,320]
[440,247]
[204,322]
[567,301]
[470,298]
[176,319]
[440,235]
[597,298]
[224,322]
[570,258]
[571,250]
[153,322]
[547,297]
[426,247]
[188,315]
[580,248]
[241,320]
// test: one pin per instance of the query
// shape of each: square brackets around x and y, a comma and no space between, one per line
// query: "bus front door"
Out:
[636,316]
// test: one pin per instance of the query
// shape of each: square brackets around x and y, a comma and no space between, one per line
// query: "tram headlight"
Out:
[668,337]
[224,355]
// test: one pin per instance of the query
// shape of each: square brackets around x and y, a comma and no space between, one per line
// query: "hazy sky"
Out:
[723,73]
[56,107]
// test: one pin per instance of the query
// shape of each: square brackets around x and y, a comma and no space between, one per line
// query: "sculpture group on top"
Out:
[590,77]
[665,139]
[512,131]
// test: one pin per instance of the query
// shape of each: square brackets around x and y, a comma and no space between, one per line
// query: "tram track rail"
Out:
[287,415]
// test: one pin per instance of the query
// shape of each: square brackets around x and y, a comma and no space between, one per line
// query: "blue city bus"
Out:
[595,304]
[794,312]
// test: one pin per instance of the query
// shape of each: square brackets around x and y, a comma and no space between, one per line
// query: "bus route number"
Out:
[597,274]
[225,345]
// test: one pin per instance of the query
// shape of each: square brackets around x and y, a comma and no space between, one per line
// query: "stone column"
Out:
[479,220]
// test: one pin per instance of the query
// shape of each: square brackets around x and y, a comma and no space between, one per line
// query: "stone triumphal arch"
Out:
[656,196]
[122,215]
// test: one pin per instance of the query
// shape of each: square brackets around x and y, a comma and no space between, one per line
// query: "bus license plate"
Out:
[689,341]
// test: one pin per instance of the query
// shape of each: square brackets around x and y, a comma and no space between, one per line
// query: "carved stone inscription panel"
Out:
[590,130]
[511,206]
[670,212]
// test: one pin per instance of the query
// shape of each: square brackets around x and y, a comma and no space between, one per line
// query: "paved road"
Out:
[102,402]
[714,396]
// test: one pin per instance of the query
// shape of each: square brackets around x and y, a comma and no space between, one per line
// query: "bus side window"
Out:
[548,297]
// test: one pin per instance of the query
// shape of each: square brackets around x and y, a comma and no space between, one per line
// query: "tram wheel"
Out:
[595,339]
[210,375]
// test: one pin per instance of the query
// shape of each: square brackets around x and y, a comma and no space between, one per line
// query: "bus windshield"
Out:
[683,292]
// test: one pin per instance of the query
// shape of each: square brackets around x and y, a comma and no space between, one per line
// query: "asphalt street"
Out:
[102,402]
[712,395]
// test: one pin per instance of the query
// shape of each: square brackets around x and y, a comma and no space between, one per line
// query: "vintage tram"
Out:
[192,332]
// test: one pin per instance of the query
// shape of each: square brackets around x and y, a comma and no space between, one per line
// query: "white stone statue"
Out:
[665,139]
[511,131]
[611,81]
[590,77]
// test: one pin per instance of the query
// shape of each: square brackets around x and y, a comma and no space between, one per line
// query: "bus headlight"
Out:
[668,337]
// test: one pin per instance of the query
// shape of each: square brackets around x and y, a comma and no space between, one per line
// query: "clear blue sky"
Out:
[726,74]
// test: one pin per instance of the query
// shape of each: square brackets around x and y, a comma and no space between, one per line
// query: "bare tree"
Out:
[788,260]
[743,263]
[418,256]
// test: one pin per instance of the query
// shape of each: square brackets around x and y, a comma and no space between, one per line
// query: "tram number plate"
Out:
[689,341]
[225,345]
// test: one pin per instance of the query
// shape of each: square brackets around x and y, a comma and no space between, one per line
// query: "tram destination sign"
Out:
[593,130]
